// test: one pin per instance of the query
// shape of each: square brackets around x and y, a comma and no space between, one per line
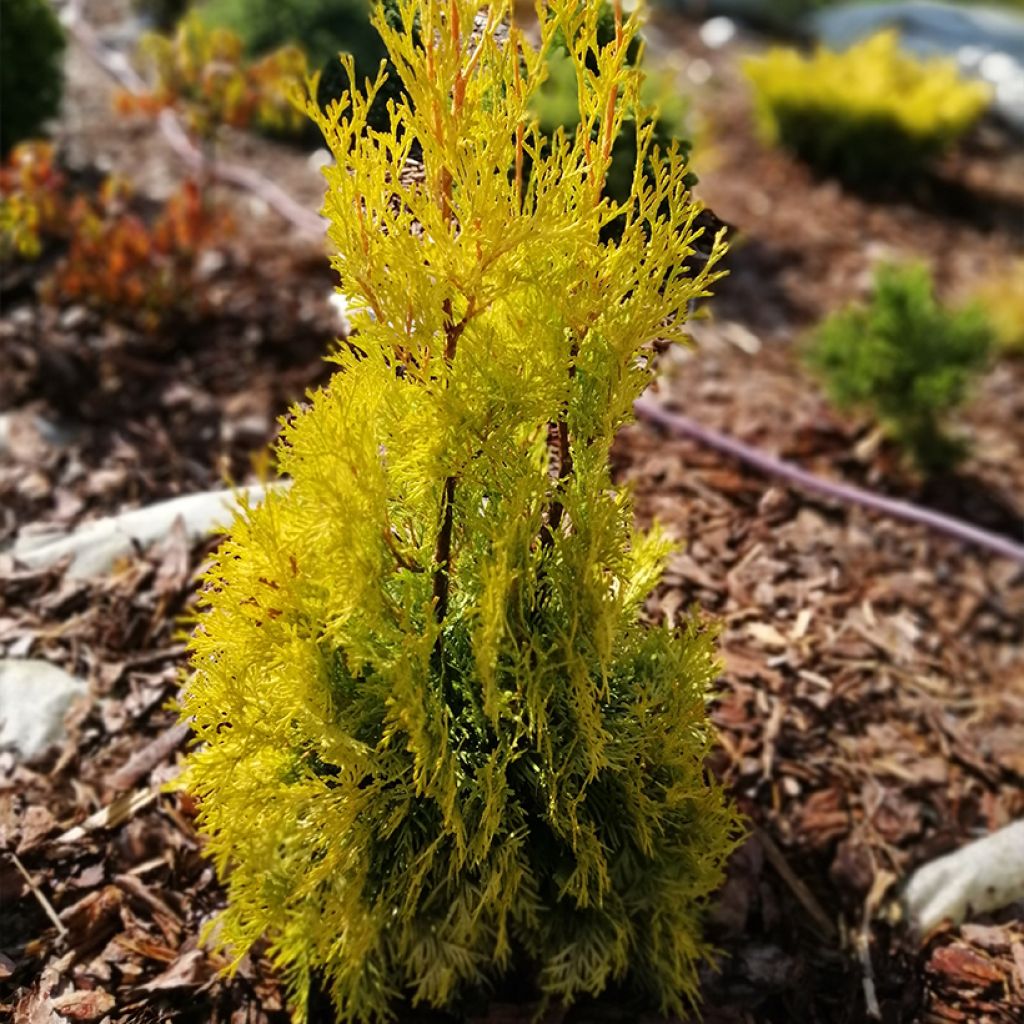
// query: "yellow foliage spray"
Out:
[437,745]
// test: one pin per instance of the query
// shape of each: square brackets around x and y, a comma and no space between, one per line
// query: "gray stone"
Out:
[979,878]
[95,546]
[34,698]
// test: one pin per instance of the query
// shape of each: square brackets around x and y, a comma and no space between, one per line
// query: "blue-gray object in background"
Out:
[987,42]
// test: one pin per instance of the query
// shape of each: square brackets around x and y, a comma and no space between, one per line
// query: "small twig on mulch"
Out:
[796,886]
[39,895]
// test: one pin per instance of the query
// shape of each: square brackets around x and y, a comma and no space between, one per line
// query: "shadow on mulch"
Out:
[969,497]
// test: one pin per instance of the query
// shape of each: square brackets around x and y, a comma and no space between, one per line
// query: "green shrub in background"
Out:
[438,744]
[868,115]
[904,359]
[31,68]
[322,29]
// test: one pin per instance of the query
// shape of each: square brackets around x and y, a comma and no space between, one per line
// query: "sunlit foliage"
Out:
[32,204]
[106,255]
[436,742]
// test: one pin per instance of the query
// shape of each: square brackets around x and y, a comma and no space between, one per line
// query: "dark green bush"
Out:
[161,15]
[906,360]
[31,68]
[323,28]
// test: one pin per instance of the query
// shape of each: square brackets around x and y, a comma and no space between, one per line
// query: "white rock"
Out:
[716,32]
[319,159]
[95,546]
[983,876]
[34,698]
[340,305]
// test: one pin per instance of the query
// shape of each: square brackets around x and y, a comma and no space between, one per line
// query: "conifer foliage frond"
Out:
[436,741]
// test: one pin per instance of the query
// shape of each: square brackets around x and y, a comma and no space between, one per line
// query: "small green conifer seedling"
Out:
[906,360]
[438,745]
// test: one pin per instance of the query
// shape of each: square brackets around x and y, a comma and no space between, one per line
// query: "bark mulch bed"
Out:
[871,706]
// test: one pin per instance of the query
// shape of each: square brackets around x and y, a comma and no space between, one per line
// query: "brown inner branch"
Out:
[443,548]
[558,435]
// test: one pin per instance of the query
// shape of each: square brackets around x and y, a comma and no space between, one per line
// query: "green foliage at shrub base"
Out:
[388,825]
[906,360]
[31,69]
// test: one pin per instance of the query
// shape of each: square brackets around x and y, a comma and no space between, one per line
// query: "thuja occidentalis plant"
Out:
[437,744]
[905,359]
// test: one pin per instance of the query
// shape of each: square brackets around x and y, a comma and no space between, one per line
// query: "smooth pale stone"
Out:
[983,876]
[34,698]
[95,546]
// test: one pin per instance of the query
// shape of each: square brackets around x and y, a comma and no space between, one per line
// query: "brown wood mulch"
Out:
[871,706]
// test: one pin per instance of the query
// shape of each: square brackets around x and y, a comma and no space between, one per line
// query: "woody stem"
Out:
[443,547]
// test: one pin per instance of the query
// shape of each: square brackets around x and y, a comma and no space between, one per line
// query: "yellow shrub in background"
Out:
[870,114]
[1002,298]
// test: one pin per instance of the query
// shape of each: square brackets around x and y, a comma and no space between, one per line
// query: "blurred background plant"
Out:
[161,15]
[1002,298]
[869,115]
[321,28]
[32,201]
[31,69]
[122,263]
[202,73]
[110,256]
[905,360]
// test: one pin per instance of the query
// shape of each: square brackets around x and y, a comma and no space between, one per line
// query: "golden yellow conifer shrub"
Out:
[437,743]
[870,114]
